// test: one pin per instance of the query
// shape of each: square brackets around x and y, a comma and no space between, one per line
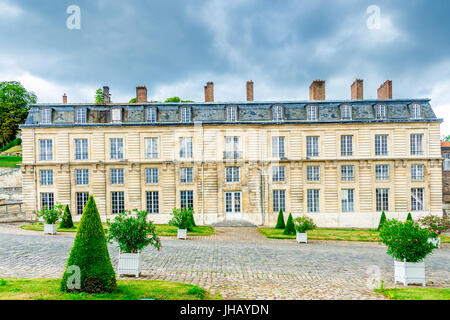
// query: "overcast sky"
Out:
[175,46]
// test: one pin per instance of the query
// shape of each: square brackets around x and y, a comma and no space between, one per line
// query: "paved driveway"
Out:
[237,262]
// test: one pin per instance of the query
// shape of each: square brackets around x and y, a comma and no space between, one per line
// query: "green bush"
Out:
[280,220]
[382,220]
[409,218]
[290,227]
[90,254]
[132,231]
[66,221]
[303,224]
[51,216]
[182,218]
[435,224]
[13,143]
[406,241]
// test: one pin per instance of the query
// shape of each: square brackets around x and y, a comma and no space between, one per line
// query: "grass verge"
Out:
[10,161]
[48,289]
[415,293]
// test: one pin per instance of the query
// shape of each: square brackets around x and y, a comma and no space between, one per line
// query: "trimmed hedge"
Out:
[290,227]
[66,221]
[280,221]
[382,220]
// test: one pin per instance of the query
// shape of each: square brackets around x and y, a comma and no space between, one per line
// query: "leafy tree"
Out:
[290,227]
[90,254]
[175,100]
[66,222]
[99,98]
[14,106]
[133,100]
[447,138]
[280,221]
[382,220]
[409,218]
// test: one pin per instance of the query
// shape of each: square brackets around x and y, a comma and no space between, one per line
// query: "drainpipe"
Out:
[203,176]
[261,195]
[34,173]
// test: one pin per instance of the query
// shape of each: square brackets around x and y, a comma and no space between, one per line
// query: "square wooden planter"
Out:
[409,272]
[182,234]
[129,264]
[435,241]
[50,228]
[302,237]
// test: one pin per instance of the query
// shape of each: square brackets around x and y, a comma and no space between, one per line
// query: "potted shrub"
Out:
[50,217]
[408,244]
[182,219]
[436,225]
[133,233]
[302,225]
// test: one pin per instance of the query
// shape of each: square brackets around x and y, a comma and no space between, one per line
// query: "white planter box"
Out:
[182,234]
[302,237]
[50,228]
[409,272]
[435,241]
[130,264]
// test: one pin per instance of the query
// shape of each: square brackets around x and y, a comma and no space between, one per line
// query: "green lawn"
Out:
[333,234]
[10,161]
[415,293]
[48,289]
[161,229]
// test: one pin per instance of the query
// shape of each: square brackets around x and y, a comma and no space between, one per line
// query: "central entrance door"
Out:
[233,206]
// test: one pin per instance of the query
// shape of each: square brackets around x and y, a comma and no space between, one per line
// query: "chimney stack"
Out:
[141,94]
[106,95]
[358,89]
[317,90]
[250,90]
[64,98]
[209,92]
[385,90]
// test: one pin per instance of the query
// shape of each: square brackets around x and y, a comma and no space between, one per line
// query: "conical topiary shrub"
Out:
[290,227]
[409,218]
[280,221]
[382,220]
[66,222]
[89,254]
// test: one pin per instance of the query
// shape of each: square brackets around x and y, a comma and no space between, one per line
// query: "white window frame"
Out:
[185,114]
[151,115]
[312,113]
[417,199]
[277,113]
[81,200]
[312,146]
[232,113]
[233,202]
[348,200]
[416,144]
[382,199]
[151,148]
[46,177]
[416,111]
[117,176]
[232,174]
[233,148]
[313,173]
[81,115]
[117,202]
[346,145]
[186,197]
[81,149]
[46,149]
[347,173]
[346,112]
[381,144]
[47,200]
[116,115]
[279,200]
[186,148]
[382,172]
[116,148]
[381,112]
[151,175]
[81,177]
[417,172]
[46,116]
[278,174]
[313,200]
[278,148]
[152,201]
[186,175]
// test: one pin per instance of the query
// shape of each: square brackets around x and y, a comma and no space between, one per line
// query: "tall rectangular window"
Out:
[81,149]
[233,202]
[152,201]
[347,173]
[232,174]
[187,199]
[279,200]
[312,146]
[151,175]
[278,174]
[346,146]
[312,199]
[381,145]
[232,114]
[82,176]
[46,116]
[46,177]
[116,148]
[417,199]
[150,115]
[117,176]
[313,173]
[347,200]
[380,112]
[417,172]
[416,144]
[416,111]
[382,172]
[116,115]
[277,113]
[47,200]
[232,148]
[311,113]
[278,147]
[382,196]
[151,148]
[185,115]
[186,175]
[186,148]
[81,115]
[82,198]
[117,202]
[46,149]
[346,112]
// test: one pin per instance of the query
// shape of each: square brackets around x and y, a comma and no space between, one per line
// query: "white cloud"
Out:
[9,11]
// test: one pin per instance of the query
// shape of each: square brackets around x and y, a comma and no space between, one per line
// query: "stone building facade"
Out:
[340,162]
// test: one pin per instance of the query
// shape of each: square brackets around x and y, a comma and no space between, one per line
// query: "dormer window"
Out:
[416,111]
[232,113]
[81,115]
[380,111]
[185,114]
[311,113]
[116,115]
[46,116]
[150,115]
[277,113]
[346,112]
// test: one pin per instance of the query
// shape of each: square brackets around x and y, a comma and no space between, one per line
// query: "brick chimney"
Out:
[209,92]
[250,90]
[358,89]
[64,98]
[141,94]
[106,95]
[317,90]
[385,90]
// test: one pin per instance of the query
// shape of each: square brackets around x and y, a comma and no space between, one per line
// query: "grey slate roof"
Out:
[248,113]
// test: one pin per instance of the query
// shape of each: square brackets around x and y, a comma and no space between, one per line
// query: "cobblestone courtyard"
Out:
[237,262]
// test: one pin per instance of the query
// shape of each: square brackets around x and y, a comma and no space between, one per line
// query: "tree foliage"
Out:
[382,220]
[99,98]
[280,221]
[290,227]
[14,106]
[66,221]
